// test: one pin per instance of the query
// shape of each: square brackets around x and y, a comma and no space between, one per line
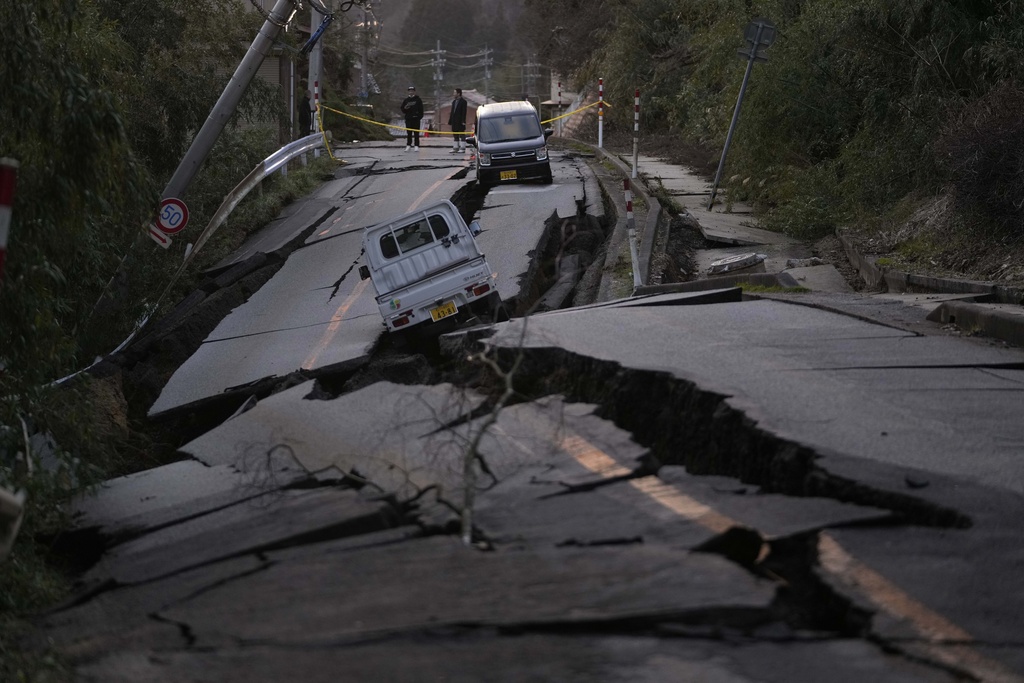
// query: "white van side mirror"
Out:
[474,228]
[364,272]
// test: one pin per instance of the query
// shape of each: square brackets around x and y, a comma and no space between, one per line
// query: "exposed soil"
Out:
[933,240]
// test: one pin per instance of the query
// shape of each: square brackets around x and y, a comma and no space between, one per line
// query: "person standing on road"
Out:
[457,120]
[412,108]
[305,116]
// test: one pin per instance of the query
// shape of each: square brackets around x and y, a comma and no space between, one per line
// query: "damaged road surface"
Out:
[677,487]
[315,315]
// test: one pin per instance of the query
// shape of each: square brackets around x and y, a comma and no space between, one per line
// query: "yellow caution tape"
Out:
[327,143]
[576,111]
[435,132]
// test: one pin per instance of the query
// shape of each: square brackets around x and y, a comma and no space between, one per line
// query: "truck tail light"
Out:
[478,290]
[401,320]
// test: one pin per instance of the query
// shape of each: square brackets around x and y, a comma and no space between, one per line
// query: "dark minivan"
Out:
[511,144]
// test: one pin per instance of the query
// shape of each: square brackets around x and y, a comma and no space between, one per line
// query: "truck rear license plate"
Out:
[508,175]
[446,309]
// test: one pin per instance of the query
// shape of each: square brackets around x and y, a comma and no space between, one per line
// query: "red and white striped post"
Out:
[636,130]
[634,253]
[8,180]
[600,113]
[559,108]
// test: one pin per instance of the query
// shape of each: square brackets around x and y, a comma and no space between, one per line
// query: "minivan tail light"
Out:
[478,290]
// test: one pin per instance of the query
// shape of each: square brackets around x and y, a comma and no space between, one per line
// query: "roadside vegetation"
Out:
[896,120]
[101,100]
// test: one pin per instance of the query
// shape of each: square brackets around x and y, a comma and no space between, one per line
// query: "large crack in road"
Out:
[670,451]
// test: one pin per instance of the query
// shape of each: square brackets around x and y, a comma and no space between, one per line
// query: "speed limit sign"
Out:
[173,216]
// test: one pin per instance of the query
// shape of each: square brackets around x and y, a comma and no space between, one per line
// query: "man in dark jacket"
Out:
[305,116]
[412,108]
[457,120]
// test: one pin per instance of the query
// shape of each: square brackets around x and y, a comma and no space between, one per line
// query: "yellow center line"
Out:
[426,193]
[949,640]
[332,329]
[599,462]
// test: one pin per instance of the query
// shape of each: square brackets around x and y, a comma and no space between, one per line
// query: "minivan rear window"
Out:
[509,128]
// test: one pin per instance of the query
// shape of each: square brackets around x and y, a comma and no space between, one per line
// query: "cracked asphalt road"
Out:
[746,491]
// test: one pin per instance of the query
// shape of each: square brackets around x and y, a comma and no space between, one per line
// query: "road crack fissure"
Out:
[685,425]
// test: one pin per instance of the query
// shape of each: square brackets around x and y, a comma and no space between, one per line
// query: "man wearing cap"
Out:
[412,107]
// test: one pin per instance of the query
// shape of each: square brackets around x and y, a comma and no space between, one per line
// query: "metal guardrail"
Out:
[269,165]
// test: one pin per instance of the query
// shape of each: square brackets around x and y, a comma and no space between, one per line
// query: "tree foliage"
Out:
[101,99]
[841,122]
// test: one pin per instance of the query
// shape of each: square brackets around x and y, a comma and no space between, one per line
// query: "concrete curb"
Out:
[970,317]
[718,282]
[1003,325]
[989,321]
[650,227]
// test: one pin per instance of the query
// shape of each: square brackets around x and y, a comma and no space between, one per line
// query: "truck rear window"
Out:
[413,236]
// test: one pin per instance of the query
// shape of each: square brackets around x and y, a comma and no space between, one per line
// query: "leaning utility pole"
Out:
[316,57]
[229,99]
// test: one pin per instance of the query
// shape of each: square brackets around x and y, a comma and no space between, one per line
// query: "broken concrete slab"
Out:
[795,371]
[772,515]
[388,434]
[736,228]
[823,278]
[545,431]
[776,256]
[289,324]
[535,508]
[258,524]
[121,617]
[664,295]
[164,495]
[317,601]
[482,655]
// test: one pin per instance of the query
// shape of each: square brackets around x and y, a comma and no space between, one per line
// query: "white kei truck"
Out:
[426,267]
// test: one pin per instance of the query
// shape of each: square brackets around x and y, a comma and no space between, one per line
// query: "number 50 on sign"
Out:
[173,216]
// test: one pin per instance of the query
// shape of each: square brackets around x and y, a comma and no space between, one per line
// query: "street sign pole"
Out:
[759,33]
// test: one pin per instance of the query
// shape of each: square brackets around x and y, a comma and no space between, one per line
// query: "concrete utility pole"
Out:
[530,77]
[228,102]
[366,81]
[438,62]
[487,61]
[316,58]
